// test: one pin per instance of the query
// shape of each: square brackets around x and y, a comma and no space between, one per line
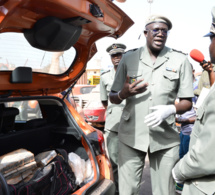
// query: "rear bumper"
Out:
[105,187]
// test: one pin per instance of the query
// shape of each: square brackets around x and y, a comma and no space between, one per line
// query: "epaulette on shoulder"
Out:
[105,72]
[179,51]
[131,50]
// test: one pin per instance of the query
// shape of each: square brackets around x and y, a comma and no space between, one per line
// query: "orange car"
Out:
[46,45]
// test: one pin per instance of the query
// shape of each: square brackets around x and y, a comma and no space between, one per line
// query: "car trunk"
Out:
[51,128]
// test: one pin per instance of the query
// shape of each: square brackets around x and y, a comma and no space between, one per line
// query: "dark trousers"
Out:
[184,144]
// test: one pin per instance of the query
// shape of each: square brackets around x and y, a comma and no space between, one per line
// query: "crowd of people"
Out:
[139,96]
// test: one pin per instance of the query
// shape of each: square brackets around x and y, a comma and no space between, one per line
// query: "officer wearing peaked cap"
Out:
[113,111]
[196,169]
[150,78]
[116,48]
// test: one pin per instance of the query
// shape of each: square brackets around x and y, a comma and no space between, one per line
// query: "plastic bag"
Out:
[82,169]
[78,167]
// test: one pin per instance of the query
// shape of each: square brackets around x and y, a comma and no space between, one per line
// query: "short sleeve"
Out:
[103,91]
[186,80]
[120,76]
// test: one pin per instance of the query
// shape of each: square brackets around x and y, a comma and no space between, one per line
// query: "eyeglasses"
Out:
[156,31]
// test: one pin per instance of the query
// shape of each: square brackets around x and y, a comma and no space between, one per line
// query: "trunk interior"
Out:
[30,130]
[39,125]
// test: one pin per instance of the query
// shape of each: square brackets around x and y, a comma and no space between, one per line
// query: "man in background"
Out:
[113,111]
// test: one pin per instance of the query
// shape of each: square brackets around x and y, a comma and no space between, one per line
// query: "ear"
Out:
[145,33]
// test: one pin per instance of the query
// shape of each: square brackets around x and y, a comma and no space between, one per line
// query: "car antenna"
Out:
[69,89]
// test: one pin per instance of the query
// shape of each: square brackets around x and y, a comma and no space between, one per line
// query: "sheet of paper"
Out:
[202,96]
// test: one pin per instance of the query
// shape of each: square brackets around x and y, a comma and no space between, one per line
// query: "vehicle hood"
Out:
[53,26]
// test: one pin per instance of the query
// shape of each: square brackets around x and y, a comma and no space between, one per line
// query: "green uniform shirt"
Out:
[114,111]
[170,76]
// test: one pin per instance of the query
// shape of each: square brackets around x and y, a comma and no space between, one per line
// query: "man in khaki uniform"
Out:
[150,78]
[197,167]
[113,111]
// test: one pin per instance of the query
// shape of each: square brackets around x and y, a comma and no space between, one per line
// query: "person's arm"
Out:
[209,68]
[128,90]
[161,112]
[105,104]
[103,93]
[184,105]
[190,120]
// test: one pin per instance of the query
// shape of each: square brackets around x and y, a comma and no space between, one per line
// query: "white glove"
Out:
[175,178]
[159,115]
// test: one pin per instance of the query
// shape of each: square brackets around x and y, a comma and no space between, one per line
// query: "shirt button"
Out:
[152,83]
[150,98]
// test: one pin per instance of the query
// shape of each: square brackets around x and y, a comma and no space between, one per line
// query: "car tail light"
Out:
[96,139]
[101,142]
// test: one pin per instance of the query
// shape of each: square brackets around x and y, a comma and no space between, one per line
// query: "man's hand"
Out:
[159,115]
[207,66]
[132,89]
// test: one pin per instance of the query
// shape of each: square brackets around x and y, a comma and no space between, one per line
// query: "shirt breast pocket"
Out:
[134,76]
[170,80]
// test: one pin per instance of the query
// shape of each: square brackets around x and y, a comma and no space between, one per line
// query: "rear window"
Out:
[27,110]
[15,51]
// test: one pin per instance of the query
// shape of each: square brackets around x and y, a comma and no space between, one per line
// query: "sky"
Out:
[191,20]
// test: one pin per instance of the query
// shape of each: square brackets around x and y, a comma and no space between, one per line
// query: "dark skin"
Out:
[209,68]
[190,120]
[115,58]
[208,65]
[154,43]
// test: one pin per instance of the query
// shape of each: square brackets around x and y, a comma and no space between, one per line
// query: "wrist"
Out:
[119,96]
[179,119]
[173,109]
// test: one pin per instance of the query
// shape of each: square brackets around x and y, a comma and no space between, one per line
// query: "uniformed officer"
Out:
[113,111]
[197,168]
[150,78]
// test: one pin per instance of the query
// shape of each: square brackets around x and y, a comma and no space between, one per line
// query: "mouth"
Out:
[116,62]
[159,42]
